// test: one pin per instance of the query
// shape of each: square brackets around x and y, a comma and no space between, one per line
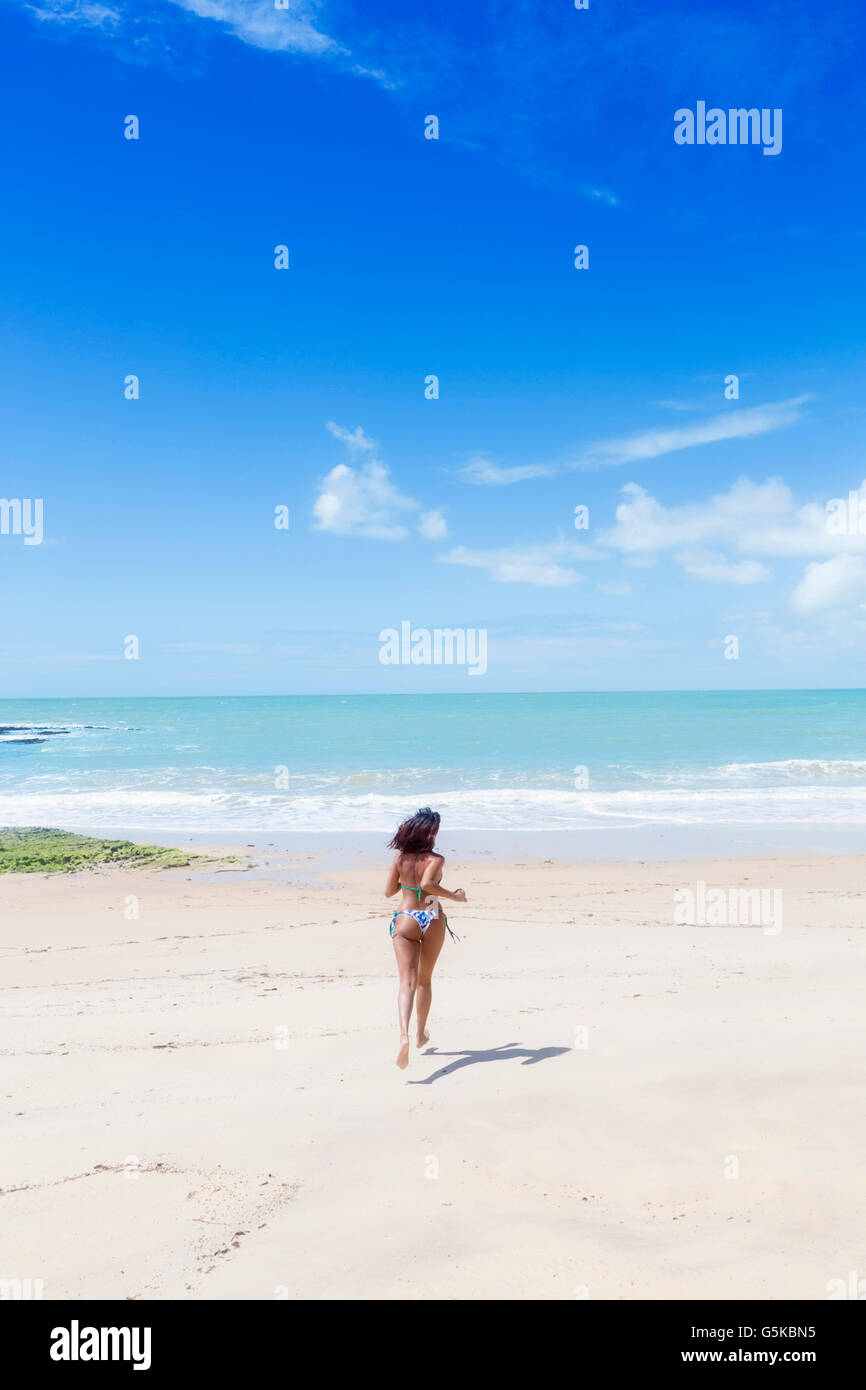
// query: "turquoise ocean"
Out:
[558,762]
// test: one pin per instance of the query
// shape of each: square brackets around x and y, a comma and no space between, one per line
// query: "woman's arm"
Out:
[393,881]
[433,888]
[458,896]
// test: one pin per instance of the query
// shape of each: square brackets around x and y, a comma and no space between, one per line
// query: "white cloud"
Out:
[645,524]
[830,584]
[814,529]
[486,474]
[601,195]
[733,424]
[715,569]
[363,501]
[255,22]
[356,441]
[536,565]
[754,519]
[211,648]
[84,12]
[258,23]
[144,31]
[616,587]
[432,526]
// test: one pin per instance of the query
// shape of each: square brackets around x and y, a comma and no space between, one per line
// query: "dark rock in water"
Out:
[25,740]
[28,729]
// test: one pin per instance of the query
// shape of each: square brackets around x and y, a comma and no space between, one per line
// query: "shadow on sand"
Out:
[468,1058]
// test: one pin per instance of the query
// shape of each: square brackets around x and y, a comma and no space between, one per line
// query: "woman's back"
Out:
[412,868]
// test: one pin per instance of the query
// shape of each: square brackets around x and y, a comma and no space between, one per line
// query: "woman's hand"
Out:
[459,895]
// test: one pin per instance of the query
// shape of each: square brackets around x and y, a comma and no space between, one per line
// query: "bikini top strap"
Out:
[408,886]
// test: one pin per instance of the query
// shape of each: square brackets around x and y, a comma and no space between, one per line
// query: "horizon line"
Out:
[415,694]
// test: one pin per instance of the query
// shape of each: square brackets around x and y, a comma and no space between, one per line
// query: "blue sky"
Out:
[409,257]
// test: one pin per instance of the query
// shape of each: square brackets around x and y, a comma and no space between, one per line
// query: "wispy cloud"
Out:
[601,195]
[257,22]
[716,569]
[652,443]
[212,648]
[538,565]
[153,31]
[489,89]
[686,407]
[484,473]
[356,441]
[86,13]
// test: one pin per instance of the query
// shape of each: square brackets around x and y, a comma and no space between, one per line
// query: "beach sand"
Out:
[204,1101]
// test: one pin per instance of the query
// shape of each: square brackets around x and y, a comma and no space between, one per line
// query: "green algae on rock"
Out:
[36,849]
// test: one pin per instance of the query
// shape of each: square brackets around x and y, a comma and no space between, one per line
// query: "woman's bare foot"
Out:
[423,1039]
[403,1054]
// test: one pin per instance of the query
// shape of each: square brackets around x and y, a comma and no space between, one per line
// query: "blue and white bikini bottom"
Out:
[421,917]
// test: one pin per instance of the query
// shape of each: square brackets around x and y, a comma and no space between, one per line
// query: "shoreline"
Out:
[643,844]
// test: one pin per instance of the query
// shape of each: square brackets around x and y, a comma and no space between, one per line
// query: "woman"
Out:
[418,926]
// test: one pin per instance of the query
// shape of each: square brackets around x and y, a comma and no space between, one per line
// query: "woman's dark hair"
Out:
[417,835]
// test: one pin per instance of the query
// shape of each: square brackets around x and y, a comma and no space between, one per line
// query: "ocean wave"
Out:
[827,771]
[797,770]
[465,809]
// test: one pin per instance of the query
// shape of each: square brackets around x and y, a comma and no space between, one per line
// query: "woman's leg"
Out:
[407,950]
[431,945]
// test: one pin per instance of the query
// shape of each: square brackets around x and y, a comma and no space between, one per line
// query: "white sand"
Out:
[166,1145]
